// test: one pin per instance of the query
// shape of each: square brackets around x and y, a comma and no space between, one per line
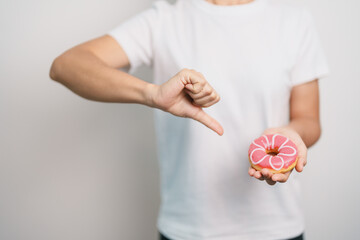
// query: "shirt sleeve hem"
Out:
[321,74]
[133,65]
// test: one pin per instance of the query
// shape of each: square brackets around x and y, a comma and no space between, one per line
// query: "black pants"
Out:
[300,237]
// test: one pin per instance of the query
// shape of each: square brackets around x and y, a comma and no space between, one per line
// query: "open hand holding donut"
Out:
[290,152]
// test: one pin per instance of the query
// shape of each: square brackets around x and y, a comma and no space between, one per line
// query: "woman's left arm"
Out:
[304,128]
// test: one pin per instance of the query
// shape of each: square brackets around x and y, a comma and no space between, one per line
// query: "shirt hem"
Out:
[177,234]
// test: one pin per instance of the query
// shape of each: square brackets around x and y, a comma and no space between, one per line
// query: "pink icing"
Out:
[287,152]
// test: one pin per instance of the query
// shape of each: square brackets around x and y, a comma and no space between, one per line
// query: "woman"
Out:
[263,58]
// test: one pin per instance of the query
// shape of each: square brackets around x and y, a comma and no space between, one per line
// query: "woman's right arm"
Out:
[90,70]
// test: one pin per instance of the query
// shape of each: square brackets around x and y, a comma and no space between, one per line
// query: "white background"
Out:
[73,169]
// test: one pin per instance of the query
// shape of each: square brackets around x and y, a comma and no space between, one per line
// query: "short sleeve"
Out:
[310,62]
[136,36]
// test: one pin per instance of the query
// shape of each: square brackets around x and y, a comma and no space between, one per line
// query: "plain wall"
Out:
[75,169]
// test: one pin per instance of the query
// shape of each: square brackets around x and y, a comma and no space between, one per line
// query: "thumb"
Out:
[302,157]
[300,164]
[208,121]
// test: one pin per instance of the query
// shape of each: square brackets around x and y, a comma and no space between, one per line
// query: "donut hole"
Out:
[272,152]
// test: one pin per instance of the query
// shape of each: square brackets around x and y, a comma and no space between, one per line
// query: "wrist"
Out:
[150,91]
[308,129]
[297,126]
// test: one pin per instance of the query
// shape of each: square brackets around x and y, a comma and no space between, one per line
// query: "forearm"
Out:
[86,75]
[309,129]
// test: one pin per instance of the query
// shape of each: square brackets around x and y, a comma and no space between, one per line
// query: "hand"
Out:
[185,95]
[271,178]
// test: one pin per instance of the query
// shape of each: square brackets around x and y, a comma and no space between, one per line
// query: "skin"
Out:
[304,129]
[91,71]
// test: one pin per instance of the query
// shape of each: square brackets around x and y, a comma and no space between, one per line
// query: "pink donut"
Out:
[274,152]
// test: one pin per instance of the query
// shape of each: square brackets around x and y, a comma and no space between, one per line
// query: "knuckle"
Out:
[207,91]
[202,81]
[201,75]
[184,71]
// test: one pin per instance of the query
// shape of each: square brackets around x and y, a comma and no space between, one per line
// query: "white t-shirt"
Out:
[252,54]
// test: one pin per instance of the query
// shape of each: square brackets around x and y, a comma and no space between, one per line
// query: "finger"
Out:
[205,91]
[300,164]
[267,176]
[302,157]
[251,171]
[209,104]
[281,177]
[266,173]
[194,89]
[195,82]
[208,121]
[258,175]
[208,100]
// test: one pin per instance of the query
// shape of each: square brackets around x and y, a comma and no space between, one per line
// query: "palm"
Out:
[295,137]
[264,174]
